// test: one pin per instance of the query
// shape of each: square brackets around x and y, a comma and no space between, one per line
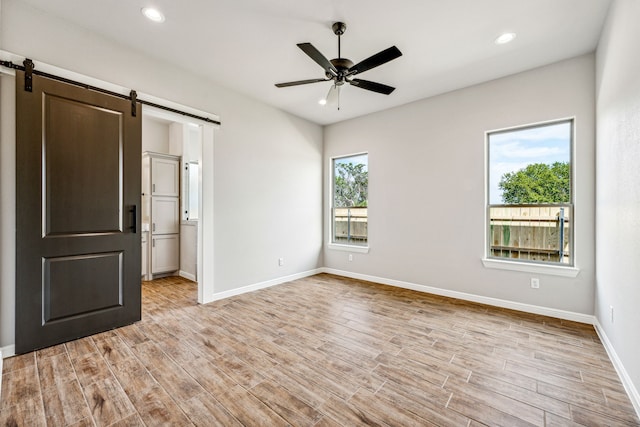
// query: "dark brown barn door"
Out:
[78,160]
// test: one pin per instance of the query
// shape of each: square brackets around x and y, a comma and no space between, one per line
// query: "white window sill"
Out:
[551,270]
[349,248]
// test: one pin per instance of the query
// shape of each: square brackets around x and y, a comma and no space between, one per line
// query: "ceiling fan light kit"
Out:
[342,70]
[333,96]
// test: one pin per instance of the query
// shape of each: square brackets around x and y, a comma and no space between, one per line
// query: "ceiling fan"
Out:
[342,70]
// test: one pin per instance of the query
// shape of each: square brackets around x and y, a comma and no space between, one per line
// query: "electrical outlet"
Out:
[350,257]
[535,283]
[611,313]
[280,262]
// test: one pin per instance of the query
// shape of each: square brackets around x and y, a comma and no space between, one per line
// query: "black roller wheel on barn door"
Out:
[78,161]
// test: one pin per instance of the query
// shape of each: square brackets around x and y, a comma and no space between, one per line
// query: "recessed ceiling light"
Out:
[153,14]
[505,38]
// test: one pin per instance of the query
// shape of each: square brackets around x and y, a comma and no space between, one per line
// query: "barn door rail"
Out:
[29,69]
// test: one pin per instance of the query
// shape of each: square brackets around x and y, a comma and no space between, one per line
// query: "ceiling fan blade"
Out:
[300,82]
[372,86]
[376,60]
[318,57]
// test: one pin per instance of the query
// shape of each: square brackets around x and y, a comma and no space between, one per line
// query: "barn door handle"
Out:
[134,211]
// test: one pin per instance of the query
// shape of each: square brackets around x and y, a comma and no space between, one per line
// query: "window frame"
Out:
[533,266]
[331,244]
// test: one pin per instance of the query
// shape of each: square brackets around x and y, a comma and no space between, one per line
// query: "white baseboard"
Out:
[188,276]
[632,391]
[267,284]
[528,308]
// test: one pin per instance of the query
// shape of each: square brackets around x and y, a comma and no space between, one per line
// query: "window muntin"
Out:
[349,200]
[530,206]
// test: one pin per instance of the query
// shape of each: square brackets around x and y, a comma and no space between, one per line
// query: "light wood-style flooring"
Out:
[320,351]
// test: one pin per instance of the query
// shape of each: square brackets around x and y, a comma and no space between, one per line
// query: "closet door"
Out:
[165,253]
[165,177]
[165,212]
[78,157]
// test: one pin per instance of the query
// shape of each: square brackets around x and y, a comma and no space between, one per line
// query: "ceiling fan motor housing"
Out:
[342,65]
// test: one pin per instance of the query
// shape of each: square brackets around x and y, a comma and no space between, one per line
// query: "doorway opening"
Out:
[173,209]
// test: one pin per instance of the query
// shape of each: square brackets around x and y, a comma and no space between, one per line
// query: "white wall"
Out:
[155,135]
[428,158]
[267,172]
[618,186]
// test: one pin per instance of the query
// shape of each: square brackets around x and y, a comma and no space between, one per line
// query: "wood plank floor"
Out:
[320,351]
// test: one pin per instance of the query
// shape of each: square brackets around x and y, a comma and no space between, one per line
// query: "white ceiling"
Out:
[248,45]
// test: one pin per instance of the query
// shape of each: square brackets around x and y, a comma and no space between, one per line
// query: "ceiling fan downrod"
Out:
[338,29]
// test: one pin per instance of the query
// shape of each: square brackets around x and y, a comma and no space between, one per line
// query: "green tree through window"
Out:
[537,183]
[351,185]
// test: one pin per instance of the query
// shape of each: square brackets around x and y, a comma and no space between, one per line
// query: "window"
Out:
[530,206]
[350,186]
[191,197]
